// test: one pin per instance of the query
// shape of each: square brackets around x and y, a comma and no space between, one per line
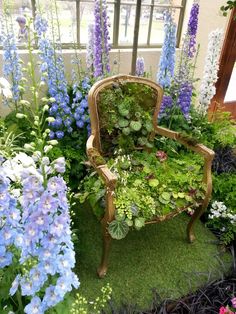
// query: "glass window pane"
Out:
[126,27]
[170,2]
[19,11]
[67,21]
[144,23]
[157,31]
[66,11]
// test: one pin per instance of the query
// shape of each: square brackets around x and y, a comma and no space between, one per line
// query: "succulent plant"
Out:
[135,125]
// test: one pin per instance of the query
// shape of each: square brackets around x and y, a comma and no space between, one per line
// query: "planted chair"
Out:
[124,124]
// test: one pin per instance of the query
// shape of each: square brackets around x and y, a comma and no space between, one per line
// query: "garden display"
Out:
[150,153]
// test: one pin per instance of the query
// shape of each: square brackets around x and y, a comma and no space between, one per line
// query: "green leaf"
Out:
[123,123]
[129,222]
[135,125]
[153,182]
[162,200]
[126,131]
[146,169]
[166,196]
[139,223]
[181,195]
[118,229]
[148,126]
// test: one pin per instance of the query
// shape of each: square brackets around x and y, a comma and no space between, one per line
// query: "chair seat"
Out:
[151,186]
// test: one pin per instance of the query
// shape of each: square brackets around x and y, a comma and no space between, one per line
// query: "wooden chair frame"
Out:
[94,150]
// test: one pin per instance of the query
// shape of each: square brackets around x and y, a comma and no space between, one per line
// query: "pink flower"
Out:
[162,156]
[233,301]
[225,310]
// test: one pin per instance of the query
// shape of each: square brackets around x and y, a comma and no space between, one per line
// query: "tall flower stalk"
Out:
[167,59]
[185,70]
[53,72]
[101,39]
[207,88]
[90,50]
[12,69]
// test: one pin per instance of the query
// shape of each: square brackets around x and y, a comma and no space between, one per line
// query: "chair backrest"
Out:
[124,111]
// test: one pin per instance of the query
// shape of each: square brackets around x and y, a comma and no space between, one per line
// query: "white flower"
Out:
[207,88]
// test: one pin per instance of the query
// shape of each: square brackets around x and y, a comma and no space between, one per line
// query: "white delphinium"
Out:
[207,88]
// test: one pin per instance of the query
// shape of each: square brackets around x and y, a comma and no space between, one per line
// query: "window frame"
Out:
[115,39]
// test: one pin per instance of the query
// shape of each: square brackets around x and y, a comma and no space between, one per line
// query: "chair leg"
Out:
[196,215]
[102,269]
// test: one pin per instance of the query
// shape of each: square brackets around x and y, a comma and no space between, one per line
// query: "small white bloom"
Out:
[50,119]
[53,142]
[47,148]
[20,115]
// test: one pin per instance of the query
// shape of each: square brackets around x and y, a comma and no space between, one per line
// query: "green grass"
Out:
[158,256]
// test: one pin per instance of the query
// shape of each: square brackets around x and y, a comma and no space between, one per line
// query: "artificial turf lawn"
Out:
[158,256]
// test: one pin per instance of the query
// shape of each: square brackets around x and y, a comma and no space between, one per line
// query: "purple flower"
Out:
[192,29]
[140,66]
[101,39]
[167,103]
[184,98]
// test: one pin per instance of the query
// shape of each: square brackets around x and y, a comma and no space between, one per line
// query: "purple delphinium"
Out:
[184,98]
[167,59]
[192,29]
[140,66]
[167,103]
[53,72]
[101,39]
[184,74]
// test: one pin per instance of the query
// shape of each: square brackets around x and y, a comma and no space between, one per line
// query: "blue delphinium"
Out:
[9,221]
[167,59]
[140,66]
[47,239]
[80,103]
[11,61]
[101,39]
[38,224]
[53,72]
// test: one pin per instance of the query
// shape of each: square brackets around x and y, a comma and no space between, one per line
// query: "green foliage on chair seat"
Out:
[147,188]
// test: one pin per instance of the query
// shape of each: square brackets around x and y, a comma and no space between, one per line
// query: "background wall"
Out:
[210,18]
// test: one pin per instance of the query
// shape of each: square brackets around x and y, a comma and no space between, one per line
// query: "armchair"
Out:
[102,143]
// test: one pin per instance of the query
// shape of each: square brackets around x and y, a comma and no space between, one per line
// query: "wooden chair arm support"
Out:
[198,148]
[99,164]
[207,153]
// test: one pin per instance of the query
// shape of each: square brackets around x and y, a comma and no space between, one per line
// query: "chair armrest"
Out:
[198,148]
[99,163]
